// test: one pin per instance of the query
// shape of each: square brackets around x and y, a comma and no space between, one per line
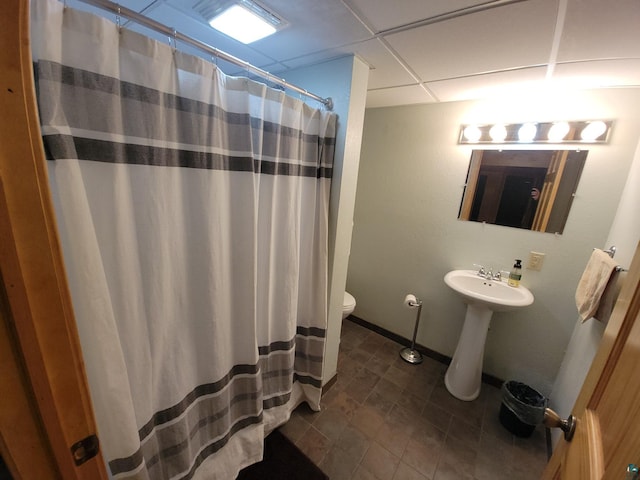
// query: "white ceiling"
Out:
[423,51]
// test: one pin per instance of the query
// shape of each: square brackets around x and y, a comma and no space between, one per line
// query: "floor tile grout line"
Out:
[456,412]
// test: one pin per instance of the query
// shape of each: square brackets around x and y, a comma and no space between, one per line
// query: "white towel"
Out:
[593,282]
[609,296]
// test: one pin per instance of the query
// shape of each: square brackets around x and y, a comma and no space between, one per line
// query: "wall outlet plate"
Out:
[536,259]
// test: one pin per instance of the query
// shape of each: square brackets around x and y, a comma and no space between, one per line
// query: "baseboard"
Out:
[427,352]
[330,383]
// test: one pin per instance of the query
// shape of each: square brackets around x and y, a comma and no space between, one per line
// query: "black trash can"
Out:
[522,408]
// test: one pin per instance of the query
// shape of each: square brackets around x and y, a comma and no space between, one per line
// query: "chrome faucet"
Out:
[500,275]
[481,270]
[488,273]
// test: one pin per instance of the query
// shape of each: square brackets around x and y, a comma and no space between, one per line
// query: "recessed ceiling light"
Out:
[246,21]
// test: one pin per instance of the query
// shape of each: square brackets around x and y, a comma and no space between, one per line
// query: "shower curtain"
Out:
[192,209]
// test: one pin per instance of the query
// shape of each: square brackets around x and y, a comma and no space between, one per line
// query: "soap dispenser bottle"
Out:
[516,274]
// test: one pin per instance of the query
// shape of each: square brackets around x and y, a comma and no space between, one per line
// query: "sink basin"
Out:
[483,297]
[496,295]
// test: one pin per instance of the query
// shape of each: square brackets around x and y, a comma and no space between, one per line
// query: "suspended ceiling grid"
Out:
[469,54]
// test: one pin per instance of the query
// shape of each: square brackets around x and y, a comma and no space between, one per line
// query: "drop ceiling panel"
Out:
[384,68]
[385,14]
[511,36]
[603,73]
[598,29]
[314,27]
[407,95]
[139,5]
[136,5]
[313,59]
[488,85]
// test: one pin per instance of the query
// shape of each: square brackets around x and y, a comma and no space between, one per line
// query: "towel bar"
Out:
[611,252]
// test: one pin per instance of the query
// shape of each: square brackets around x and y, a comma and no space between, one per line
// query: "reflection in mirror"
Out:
[531,189]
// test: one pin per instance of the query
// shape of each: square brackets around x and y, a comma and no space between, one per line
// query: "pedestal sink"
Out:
[483,297]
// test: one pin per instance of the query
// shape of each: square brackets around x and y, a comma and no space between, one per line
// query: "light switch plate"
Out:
[536,259]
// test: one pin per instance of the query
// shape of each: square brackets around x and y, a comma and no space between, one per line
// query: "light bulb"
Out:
[498,133]
[593,130]
[558,131]
[472,133]
[527,132]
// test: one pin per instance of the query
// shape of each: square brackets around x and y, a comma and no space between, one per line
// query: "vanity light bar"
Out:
[587,131]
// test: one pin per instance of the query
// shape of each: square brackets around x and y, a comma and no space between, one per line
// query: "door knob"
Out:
[552,420]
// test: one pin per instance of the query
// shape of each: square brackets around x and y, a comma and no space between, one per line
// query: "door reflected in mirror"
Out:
[530,189]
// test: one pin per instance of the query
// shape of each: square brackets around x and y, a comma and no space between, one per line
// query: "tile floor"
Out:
[385,419]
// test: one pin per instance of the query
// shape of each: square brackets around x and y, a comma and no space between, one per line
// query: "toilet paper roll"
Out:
[410,300]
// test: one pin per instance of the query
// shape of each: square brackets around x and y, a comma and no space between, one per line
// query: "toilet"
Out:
[348,305]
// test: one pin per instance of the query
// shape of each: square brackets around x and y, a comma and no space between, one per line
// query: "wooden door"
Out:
[45,408]
[607,436]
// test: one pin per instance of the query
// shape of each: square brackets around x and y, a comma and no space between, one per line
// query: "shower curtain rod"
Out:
[121,11]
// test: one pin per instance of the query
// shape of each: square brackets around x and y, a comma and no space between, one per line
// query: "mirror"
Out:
[530,189]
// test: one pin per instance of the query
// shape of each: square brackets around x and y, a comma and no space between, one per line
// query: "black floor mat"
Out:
[282,461]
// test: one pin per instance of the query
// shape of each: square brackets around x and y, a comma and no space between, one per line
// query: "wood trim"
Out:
[550,190]
[23,442]
[594,445]
[32,267]
[590,466]
[472,184]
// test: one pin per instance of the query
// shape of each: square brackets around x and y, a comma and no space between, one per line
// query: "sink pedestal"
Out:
[483,296]
[464,375]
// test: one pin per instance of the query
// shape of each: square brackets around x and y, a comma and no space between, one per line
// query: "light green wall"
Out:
[406,234]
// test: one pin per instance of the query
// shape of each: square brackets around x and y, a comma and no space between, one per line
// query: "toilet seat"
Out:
[348,304]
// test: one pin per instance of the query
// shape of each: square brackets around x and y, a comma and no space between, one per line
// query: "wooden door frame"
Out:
[47,393]
[550,190]
[471,185]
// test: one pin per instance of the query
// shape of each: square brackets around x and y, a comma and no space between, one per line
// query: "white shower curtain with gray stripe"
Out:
[192,209]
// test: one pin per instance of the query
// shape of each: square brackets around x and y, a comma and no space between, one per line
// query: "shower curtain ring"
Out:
[175,40]
[118,22]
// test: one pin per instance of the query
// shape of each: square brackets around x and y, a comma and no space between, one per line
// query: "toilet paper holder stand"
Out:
[410,354]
